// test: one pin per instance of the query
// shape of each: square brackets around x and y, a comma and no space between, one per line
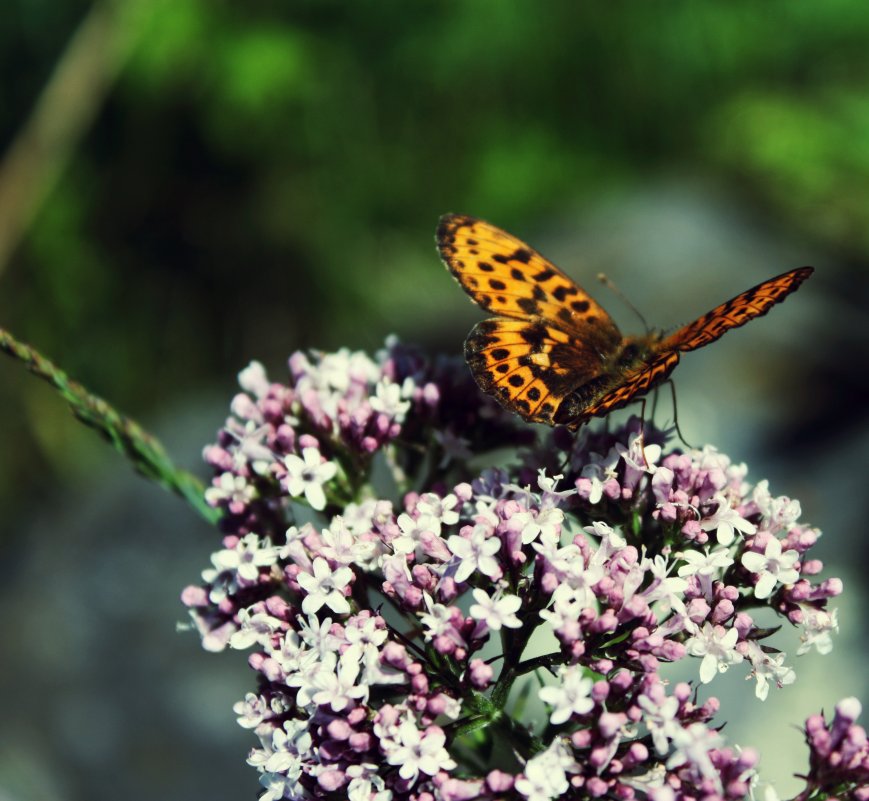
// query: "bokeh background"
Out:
[186,185]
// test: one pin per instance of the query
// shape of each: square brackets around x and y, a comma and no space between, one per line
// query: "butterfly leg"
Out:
[676,417]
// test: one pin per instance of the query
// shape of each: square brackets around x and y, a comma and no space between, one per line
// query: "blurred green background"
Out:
[190,184]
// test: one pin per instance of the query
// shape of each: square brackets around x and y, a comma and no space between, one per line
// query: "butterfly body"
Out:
[552,354]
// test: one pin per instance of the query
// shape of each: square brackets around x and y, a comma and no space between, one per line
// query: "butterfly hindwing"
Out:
[528,366]
[505,276]
[738,311]
[631,386]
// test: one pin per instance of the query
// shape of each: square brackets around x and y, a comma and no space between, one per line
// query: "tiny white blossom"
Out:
[413,533]
[418,751]
[254,628]
[247,557]
[545,775]
[717,646]
[817,626]
[253,379]
[442,509]
[306,476]
[496,611]
[768,668]
[772,566]
[387,399]
[475,553]
[337,688]
[325,588]
[692,745]
[570,696]
[726,522]
[438,619]
[660,718]
[251,712]
[232,488]
[707,567]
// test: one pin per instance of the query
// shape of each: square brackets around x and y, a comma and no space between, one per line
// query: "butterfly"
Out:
[551,353]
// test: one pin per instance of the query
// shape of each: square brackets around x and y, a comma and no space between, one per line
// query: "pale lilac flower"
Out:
[772,566]
[389,399]
[246,558]
[768,668]
[254,627]
[545,775]
[445,510]
[232,489]
[307,475]
[570,696]
[693,746]
[717,646]
[325,587]
[817,626]
[336,685]
[496,611]
[475,553]
[726,522]
[413,534]
[417,751]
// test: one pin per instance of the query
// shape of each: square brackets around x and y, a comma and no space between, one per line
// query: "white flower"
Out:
[337,687]
[442,509]
[817,626]
[341,545]
[668,590]
[571,696]
[692,746]
[768,667]
[231,488]
[251,712]
[497,611]
[772,566]
[253,379]
[717,646]
[247,557]
[660,718]
[278,787]
[700,563]
[306,475]
[325,588]
[708,567]
[727,521]
[438,619]
[413,532]
[545,775]
[476,552]
[418,752]
[254,628]
[387,399]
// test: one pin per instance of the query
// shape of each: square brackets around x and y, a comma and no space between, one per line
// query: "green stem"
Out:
[141,448]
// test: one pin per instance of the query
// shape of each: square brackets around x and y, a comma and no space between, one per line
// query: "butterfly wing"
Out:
[529,366]
[629,386]
[736,312]
[505,276]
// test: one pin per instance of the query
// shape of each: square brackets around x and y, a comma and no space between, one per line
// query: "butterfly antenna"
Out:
[676,417]
[609,284]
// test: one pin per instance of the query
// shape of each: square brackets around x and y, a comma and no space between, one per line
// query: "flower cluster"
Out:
[449,630]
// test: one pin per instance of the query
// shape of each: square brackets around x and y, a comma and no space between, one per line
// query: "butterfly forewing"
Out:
[755,302]
[505,276]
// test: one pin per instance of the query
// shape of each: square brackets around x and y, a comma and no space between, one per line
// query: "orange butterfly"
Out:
[554,355]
